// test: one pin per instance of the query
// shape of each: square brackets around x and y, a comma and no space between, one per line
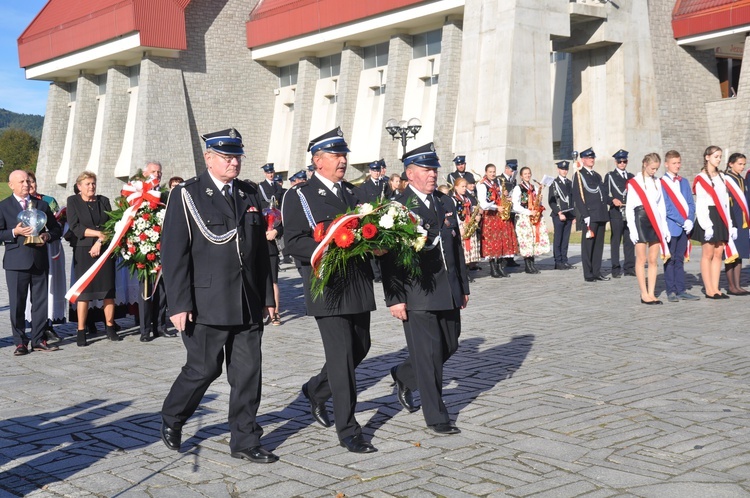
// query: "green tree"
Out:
[18,150]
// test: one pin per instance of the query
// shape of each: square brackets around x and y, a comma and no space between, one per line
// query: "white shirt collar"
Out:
[328,183]
[422,197]
[219,184]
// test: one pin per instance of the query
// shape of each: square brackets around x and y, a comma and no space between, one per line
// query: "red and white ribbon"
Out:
[136,194]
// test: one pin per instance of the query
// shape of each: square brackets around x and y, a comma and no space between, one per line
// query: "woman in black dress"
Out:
[86,217]
[739,194]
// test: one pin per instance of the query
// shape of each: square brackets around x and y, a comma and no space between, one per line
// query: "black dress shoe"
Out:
[167,333]
[629,274]
[21,350]
[570,267]
[445,428]
[616,274]
[145,338]
[357,444]
[602,278]
[171,437]
[723,296]
[592,279]
[44,347]
[318,410]
[650,302]
[404,394]
[50,334]
[257,454]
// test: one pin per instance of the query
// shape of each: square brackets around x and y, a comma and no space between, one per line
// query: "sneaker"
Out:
[688,297]
[672,298]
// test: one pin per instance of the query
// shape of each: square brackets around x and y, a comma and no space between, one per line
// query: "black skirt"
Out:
[103,284]
[643,226]
[721,233]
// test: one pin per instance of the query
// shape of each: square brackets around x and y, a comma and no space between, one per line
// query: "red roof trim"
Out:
[66,26]
[691,17]
[276,20]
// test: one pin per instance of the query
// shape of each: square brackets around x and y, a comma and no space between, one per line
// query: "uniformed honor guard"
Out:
[460,162]
[429,305]
[590,203]
[374,187]
[269,188]
[297,178]
[343,312]
[561,206]
[215,264]
[616,182]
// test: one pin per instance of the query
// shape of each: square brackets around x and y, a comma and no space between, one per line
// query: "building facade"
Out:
[135,80]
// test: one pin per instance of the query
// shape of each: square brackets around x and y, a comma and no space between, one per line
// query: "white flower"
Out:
[365,208]
[386,221]
[392,212]
[419,243]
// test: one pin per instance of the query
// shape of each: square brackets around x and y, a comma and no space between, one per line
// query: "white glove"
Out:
[708,234]
[688,226]
[586,220]
[634,237]
[669,237]
[733,233]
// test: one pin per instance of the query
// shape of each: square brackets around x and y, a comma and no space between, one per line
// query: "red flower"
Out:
[352,224]
[158,246]
[153,205]
[369,231]
[157,268]
[143,237]
[140,266]
[151,256]
[146,216]
[319,232]
[131,249]
[156,228]
[344,237]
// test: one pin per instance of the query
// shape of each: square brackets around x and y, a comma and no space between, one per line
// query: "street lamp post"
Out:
[403,130]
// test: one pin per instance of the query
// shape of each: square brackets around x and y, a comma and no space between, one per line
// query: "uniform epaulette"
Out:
[190,181]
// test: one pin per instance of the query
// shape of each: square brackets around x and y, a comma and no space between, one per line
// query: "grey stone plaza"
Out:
[562,388]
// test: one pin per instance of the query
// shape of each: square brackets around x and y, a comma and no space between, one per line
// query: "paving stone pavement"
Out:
[562,388]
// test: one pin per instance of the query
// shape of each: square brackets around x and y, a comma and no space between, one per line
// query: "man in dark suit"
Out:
[153,311]
[270,188]
[343,312]
[374,187]
[215,267]
[561,210]
[616,182]
[460,162]
[590,202]
[429,305]
[26,265]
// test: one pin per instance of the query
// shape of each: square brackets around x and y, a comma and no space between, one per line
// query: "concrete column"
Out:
[115,116]
[84,122]
[52,143]
[740,134]
[399,55]
[162,130]
[450,75]
[307,76]
[351,69]
[505,95]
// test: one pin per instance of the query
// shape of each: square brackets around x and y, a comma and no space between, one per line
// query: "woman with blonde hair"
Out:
[464,209]
[646,214]
[713,223]
[531,231]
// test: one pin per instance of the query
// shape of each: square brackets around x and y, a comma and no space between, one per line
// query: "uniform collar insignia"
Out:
[321,191]
[209,192]
[242,194]
[349,190]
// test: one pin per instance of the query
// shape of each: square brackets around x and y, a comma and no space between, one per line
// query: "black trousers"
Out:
[592,249]
[346,341]
[621,234]
[432,338]
[19,283]
[207,347]
[153,312]
[561,239]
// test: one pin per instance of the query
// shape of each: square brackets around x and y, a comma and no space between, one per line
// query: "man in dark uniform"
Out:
[561,207]
[590,202]
[26,265]
[430,305]
[615,183]
[343,312]
[269,188]
[507,182]
[153,311]
[374,187]
[310,170]
[297,178]
[460,162]
[215,266]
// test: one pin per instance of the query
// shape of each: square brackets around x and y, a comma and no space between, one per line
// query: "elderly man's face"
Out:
[19,183]
[330,165]
[224,167]
[422,179]
[153,170]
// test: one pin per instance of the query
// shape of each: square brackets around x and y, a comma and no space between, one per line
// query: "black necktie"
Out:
[228,197]
[340,192]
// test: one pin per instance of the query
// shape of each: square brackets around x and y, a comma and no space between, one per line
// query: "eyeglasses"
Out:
[622,161]
[228,158]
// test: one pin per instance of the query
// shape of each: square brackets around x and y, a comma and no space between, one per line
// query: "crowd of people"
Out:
[223,240]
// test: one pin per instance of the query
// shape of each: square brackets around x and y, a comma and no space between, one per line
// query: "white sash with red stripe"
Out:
[738,195]
[681,205]
[651,213]
[730,250]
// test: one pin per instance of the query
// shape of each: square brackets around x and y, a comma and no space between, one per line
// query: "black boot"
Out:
[534,269]
[111,334]
[527,265]
[501,268]
[81,338]
[493,268]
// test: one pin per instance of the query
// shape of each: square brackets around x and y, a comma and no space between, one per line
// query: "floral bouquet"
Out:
[379,226]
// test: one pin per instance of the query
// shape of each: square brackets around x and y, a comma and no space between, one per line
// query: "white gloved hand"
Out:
[688,226]
[733,233]
[708,234]
[586,220]
[634,237]
[669,237]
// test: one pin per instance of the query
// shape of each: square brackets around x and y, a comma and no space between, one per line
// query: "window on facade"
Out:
[330,66]
[376,55]
[135,75]
[729,76]
[72,89]
[101,81]
[426,44]
[288,75]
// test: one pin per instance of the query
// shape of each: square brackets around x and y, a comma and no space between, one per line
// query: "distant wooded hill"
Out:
[31,123]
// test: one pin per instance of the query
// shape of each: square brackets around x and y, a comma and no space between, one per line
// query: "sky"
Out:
[18,94]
